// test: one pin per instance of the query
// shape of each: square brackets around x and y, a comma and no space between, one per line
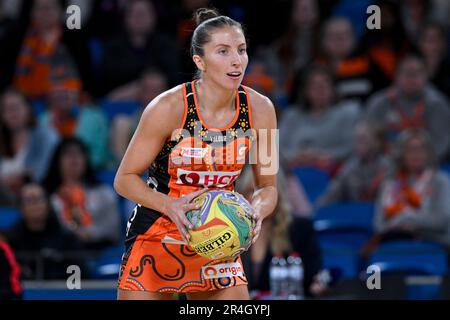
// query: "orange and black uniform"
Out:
[156,259]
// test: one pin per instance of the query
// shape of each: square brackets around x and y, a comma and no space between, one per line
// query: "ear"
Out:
[199,62]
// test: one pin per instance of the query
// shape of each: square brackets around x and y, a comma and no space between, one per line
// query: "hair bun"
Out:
[204,14]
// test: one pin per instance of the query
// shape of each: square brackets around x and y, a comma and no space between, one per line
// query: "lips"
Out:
[234,75]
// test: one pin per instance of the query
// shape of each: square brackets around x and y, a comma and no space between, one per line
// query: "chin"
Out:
[232,84]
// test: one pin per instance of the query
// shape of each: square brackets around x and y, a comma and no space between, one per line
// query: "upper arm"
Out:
[158,121]
[266,164]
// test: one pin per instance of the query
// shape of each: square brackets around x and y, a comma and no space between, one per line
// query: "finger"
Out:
[185,221]
[255,238]
[195,194]
[183,230]
[190,206]
[256,231]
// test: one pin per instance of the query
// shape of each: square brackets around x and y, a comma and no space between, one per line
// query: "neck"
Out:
[432,62]
[36,226]
[61,113]
[19,138]
[71,181]
[138,40]
[411,96]
[318,109]
[19,132]
[416,172]
[368,157]
[215,97]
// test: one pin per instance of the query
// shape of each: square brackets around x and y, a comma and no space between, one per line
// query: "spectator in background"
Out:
[318,130]
[46,44]
[361,175]
[294,49]
[411,103]
[415,203]
[152,83]
[82,205]
[69,118]
[432,45]
[11,28]
[139,47]
[40,242]
[25,148]
[184,27]
[356,75]
[387,45]
[414,14]
[10,286]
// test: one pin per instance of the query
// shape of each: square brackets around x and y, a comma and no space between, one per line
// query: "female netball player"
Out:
[182,139]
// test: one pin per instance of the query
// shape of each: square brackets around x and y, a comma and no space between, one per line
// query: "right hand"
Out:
[176,210]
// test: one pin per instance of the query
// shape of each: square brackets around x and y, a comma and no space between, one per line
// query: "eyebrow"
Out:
[228,46]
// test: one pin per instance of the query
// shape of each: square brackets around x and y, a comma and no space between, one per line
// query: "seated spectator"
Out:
[415,204]
[281,233]
[69,117]
[87,208]
[11,31]
[356,75]
[294,49]
[139,47]
[387,45]
[414,15]
[152,83]
[361,175]
[183,24]
[411,103]
[10,286]
[22,151]
[46,44]
[41,244]
[318,130]
[432,45]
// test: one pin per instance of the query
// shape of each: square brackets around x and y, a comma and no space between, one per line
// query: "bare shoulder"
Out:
[263,110]
[166,111]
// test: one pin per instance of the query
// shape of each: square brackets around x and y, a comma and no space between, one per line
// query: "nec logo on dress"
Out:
[206,178]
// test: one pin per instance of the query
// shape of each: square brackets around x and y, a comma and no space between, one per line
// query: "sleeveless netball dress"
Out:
[156,259]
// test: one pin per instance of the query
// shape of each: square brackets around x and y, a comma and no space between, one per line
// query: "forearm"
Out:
[264,200]
[132,187]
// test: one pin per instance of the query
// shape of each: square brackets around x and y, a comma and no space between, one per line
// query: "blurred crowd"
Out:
[368,108]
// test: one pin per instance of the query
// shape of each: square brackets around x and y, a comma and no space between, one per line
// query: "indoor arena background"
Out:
[362,99]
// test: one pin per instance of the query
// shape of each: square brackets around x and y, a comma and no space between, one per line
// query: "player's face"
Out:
[225,57]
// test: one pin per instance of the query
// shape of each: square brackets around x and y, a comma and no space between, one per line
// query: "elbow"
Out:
[118,184]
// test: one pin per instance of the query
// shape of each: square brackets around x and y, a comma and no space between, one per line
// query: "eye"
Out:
[223,51]
[242,50]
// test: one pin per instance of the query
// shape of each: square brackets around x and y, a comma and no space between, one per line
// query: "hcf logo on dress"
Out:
[206,178]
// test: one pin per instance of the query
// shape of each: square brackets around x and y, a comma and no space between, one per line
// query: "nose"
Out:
[236,60]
